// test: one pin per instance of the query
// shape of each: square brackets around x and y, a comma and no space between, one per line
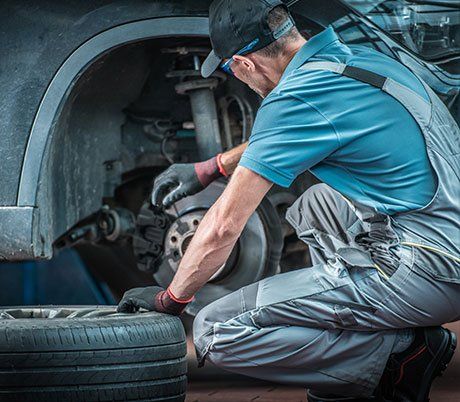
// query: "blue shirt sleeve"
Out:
[289,137]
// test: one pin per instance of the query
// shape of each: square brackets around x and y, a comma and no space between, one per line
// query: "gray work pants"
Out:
[330,327]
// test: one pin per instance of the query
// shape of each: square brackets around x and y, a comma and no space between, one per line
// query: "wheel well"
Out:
[73,153]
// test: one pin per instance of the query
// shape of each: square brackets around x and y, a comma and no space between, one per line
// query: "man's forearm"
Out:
[231,158]
[218,232]
[208,250]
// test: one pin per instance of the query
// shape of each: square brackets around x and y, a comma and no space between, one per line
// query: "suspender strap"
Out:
[365,76]
[416,105]
[356,73]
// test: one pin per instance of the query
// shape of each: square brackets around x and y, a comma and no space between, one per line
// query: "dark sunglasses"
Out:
[245,50]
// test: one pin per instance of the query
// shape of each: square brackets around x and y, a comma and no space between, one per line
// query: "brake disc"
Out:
[160,248]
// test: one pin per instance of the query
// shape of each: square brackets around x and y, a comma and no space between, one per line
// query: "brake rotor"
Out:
[179,236]
[255,256]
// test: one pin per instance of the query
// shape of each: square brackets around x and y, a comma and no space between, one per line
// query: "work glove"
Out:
[151,298]
[183,179]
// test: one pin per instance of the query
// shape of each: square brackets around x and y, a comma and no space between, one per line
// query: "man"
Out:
[383,228]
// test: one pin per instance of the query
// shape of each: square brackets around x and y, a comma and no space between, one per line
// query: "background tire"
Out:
[90,354]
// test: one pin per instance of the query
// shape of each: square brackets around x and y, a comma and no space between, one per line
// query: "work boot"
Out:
[408,375]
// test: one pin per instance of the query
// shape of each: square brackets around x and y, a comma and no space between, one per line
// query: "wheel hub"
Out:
[178,238]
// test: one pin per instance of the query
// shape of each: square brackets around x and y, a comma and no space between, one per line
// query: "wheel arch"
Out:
[60,88]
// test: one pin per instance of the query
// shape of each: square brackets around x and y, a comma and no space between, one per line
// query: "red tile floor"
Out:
[210,384]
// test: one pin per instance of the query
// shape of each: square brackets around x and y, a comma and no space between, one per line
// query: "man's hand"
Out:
[178,181]
[183,179]
[151,298]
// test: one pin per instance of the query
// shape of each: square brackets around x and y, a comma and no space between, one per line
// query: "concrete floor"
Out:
[210,384]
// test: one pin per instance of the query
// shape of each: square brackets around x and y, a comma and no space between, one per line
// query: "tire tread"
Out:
[130,358]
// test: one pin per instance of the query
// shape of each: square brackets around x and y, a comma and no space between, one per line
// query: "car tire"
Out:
[90,354]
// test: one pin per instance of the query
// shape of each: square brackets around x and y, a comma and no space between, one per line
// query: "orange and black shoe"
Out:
[408,375]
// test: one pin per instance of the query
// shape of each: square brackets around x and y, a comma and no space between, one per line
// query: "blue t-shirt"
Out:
[351,135]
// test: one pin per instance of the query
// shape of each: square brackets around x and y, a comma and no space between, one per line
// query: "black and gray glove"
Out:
[178,181]
[183,179]
[151,298]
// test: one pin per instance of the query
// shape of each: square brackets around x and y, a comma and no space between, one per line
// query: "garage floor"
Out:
[209,384]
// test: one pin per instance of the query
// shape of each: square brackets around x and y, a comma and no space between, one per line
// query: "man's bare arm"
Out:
[219,231]
[231,158]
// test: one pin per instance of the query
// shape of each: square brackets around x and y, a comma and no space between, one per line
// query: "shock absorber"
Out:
[201,93]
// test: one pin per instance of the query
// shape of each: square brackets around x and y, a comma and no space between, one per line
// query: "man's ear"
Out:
[245,61]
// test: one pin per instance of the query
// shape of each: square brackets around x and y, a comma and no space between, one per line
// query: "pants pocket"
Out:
[345,316]
[301,283]
[436,265]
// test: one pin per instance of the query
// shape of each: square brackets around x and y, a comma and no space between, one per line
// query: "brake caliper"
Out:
[148,241]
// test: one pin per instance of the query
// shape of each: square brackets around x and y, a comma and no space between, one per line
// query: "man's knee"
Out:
[214,313]
[203,328]
[218,313]
[215,336]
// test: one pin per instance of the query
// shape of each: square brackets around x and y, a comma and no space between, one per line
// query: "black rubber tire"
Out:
[124,357]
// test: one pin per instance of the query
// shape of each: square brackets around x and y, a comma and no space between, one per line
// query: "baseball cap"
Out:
[240,24]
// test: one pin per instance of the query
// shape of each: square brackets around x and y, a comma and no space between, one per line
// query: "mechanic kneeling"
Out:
[383,230]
